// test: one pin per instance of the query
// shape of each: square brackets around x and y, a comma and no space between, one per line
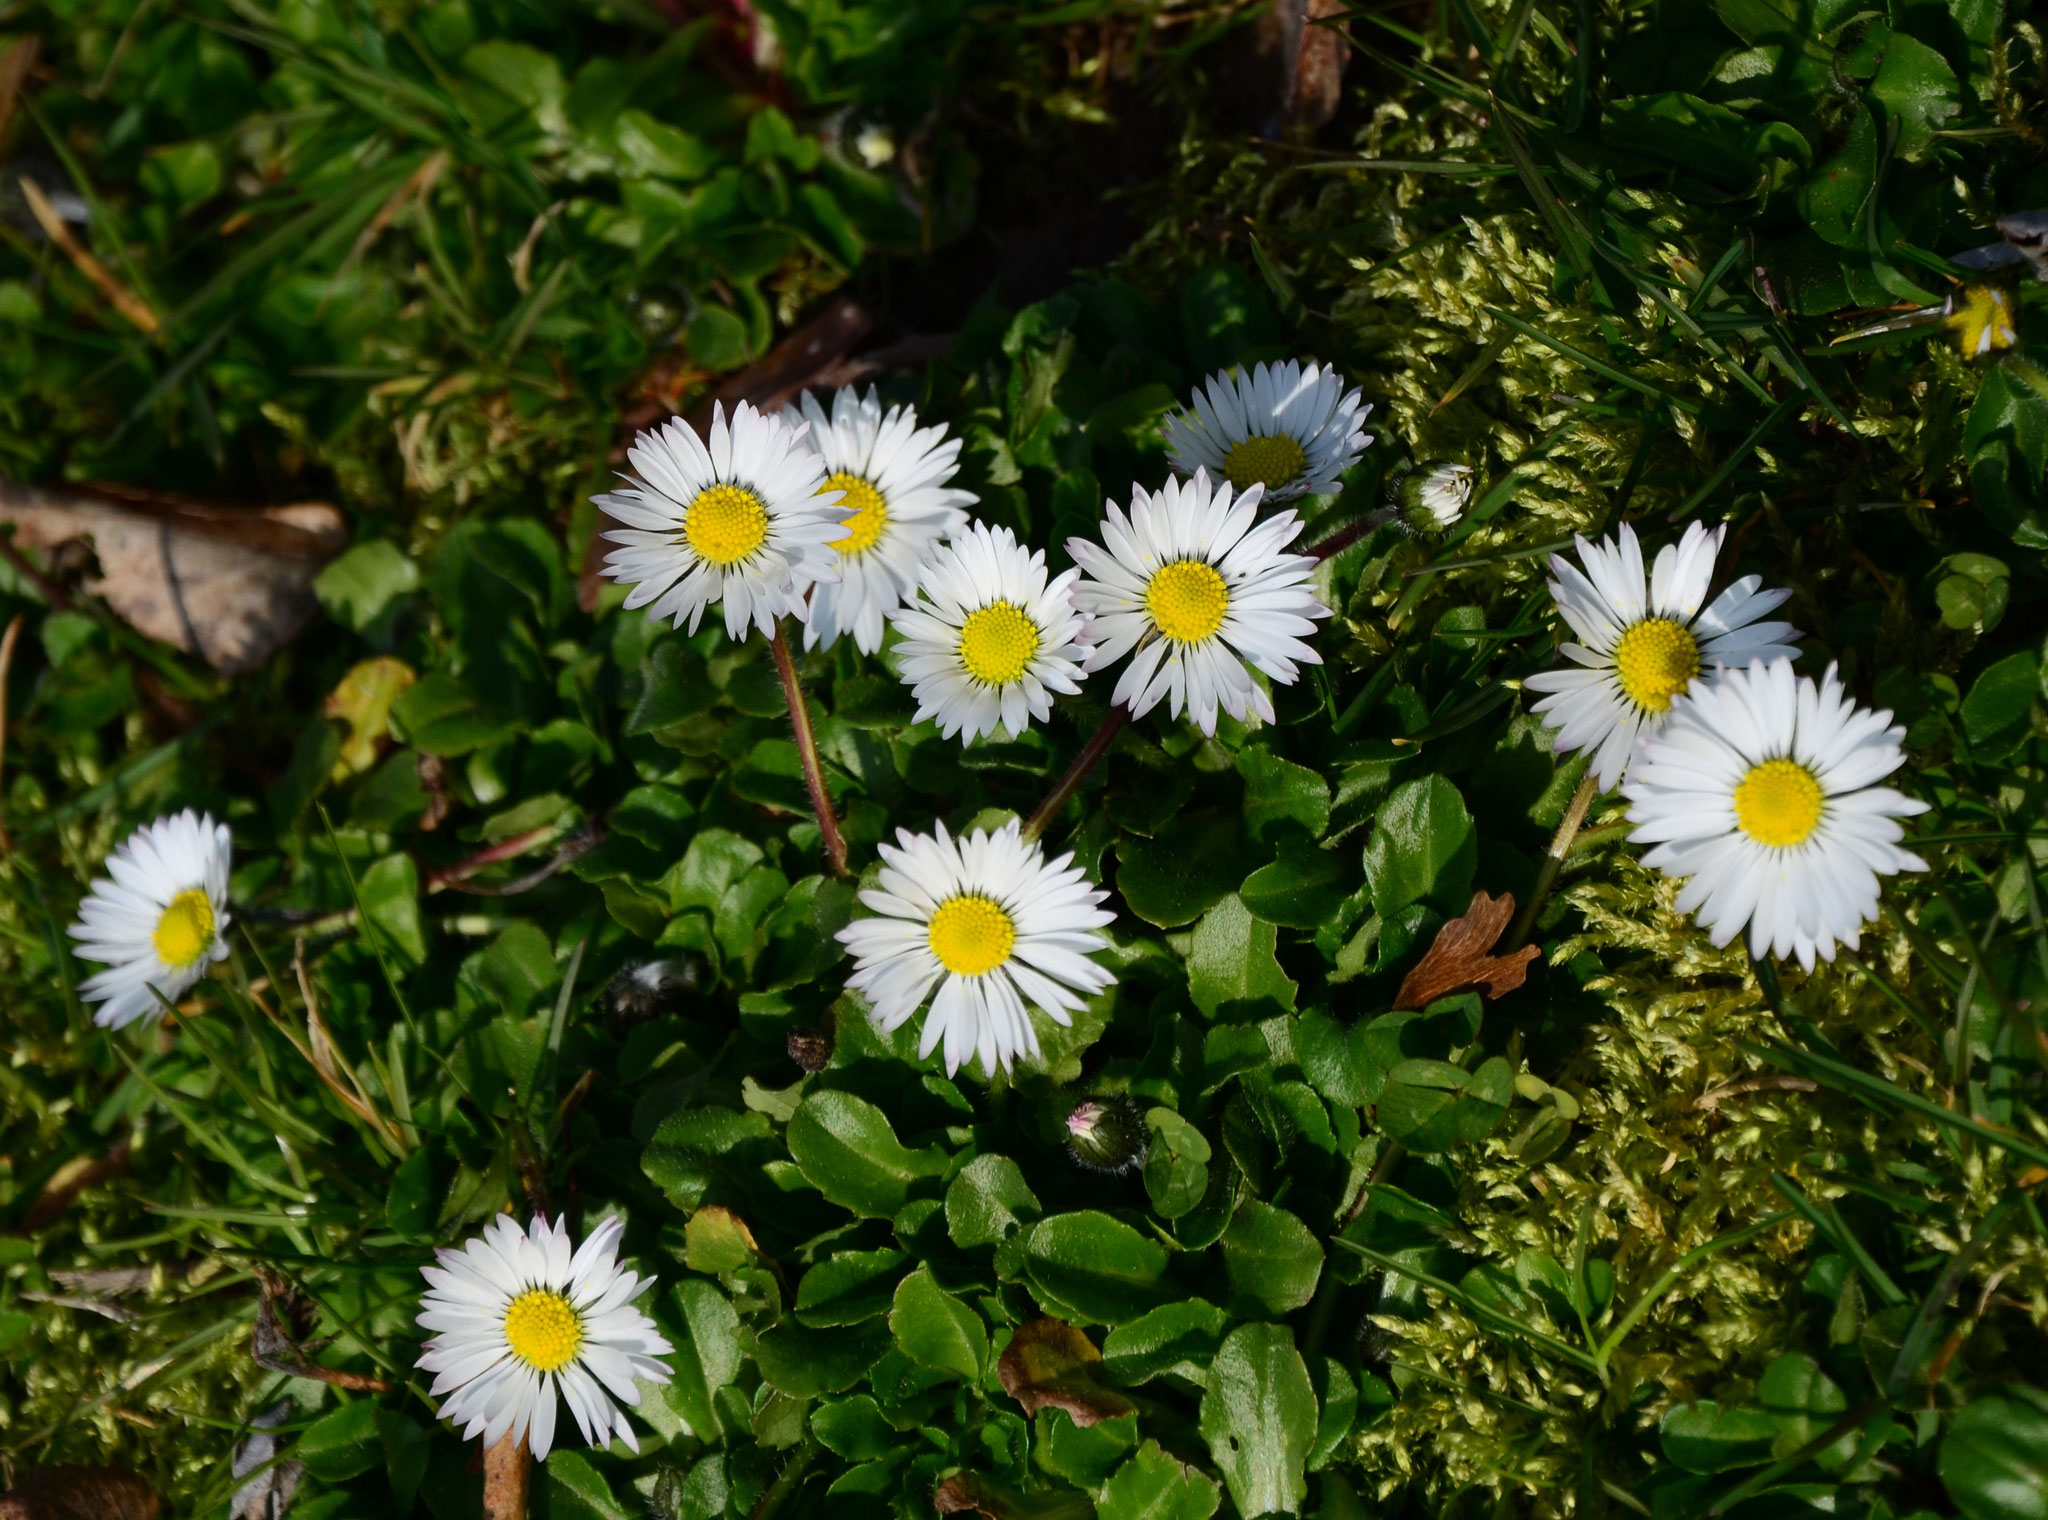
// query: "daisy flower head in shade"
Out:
[1290,428]
[517,1316]
[1644,638]
[155,919]
[1204,592]
[1761,789]
[1981,319]
[741,519]
[988,636]
[892,476]
[990,923]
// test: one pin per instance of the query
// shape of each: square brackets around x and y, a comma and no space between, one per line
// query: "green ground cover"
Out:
[1661,1231]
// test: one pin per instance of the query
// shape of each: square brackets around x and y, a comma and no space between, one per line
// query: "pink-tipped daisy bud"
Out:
[1106,1134]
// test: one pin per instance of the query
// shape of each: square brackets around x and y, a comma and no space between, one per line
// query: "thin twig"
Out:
[125,301]
[1553,861]
[7,640]
[1091,754]
[807,748]
[52,593]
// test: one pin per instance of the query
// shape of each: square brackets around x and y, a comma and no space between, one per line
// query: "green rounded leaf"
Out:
[1233,974]
[1423,846]
[342,1444]
[1272,1259]
[935,1329]
[987,1200]
[1705,1438]
[1259,1418]
[1091,1267]
[1176,879]
[847,1150]
[1995,1458]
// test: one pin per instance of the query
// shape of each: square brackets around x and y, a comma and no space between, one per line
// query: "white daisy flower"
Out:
[517,1316]
[991,923]
[1760,788]
[987,637]
[891,475]
[1203,591]
[155,919]
[1291,429]
[740,521]
[1644,639]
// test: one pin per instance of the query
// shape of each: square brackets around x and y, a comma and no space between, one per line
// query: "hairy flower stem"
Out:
[1344,538]
[1553,862]
[788,1480]
[1091,754]
[807,747]
[506,1470]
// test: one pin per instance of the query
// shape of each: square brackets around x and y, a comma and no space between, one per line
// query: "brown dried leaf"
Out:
[1051,1365]
[231,585]
[283,1319]
[81,1493]
[17,59]
[269,1493]
[1461,956]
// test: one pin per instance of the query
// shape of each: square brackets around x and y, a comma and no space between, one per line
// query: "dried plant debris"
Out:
[81,1493]
[230,586]
[270,1484]
[1462,956]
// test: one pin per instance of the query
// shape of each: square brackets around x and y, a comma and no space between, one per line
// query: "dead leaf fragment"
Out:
[283,1319]
[1051,1365]
[1461,956]
[268,1494]
[231,585]
[81,1493]
[363,701]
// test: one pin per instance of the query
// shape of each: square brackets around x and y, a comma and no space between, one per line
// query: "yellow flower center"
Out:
[185,933]
[971,936]
[997,642]
[1982,321]
[1187,599]
[1271,461]
[870,512]
[725,524]
[1656,660]
[1779,803]
[543,1330]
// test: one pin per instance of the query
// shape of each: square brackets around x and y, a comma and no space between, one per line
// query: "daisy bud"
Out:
[652,989]
[1434,497]
[1106,1134]
[810,1048]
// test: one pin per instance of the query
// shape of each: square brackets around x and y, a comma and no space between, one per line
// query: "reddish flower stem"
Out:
[807,747]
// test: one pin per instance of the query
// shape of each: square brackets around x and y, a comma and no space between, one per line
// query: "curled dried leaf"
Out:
[1462,956]
[1051,1365]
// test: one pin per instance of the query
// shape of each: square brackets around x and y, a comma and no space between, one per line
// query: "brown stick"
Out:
[1553,861]
[6,664]
[807,747]
[1091,753]
[124,300]
[506,1471]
